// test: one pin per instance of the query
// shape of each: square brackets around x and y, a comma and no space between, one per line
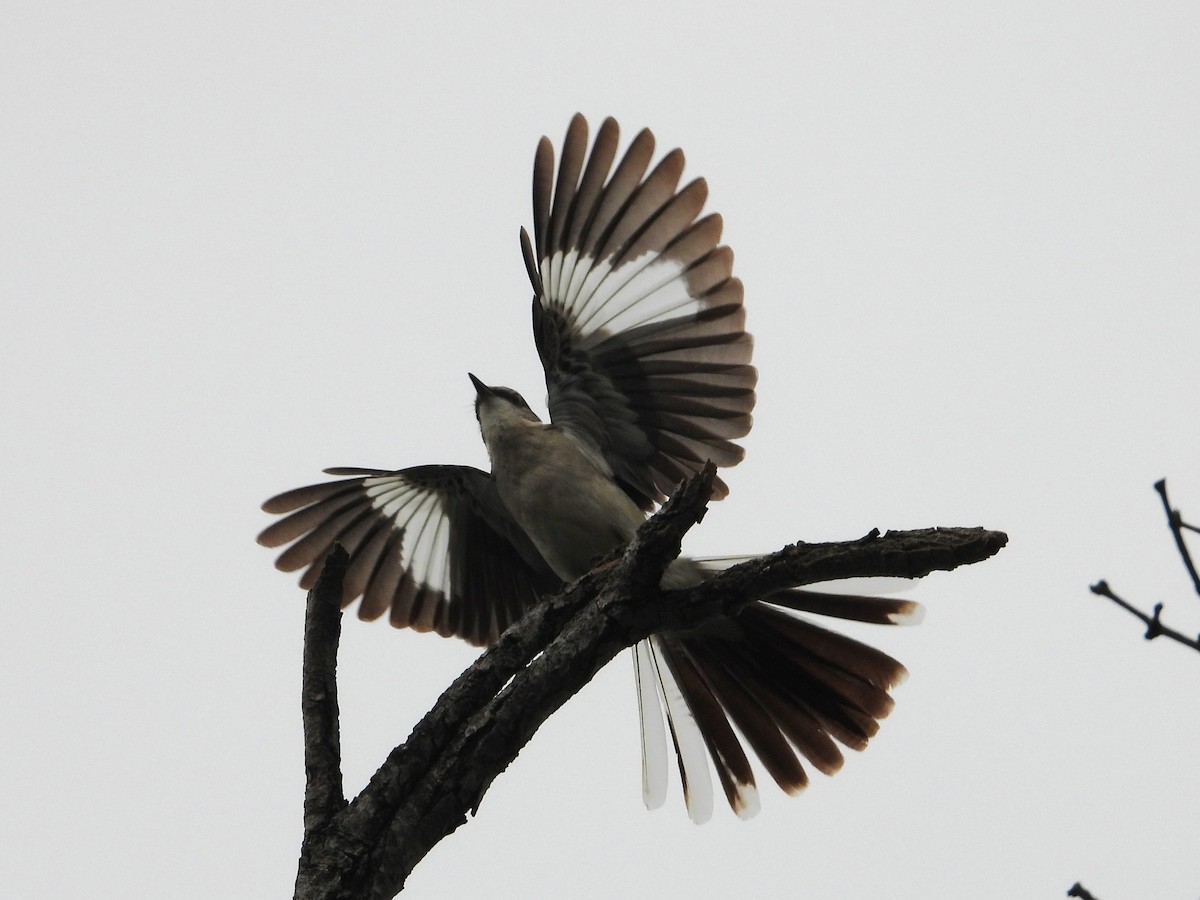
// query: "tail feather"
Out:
[860,608]
[812,643]
[733,768]
[654,738]
[793,690]
[843,683]
[777,692]
[689,741]
[726,674]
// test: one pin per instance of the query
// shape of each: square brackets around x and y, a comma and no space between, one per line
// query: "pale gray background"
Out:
[242,242]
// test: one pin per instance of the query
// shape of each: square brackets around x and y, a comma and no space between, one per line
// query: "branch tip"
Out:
[1178,526]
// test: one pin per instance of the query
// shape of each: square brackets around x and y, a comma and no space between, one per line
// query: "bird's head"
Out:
[499,409]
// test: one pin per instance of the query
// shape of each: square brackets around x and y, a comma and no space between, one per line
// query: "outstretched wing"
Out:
[432,544]
[637,317]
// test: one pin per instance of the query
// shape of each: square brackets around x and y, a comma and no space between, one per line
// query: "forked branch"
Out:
[1153,620]
[428,785]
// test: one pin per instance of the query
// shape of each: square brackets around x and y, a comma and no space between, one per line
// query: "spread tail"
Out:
[793,689]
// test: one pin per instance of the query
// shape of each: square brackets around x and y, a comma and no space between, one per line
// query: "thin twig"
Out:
[1175,520]
[1153,621]
[1154,625]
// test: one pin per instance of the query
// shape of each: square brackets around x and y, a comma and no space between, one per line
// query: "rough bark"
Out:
[427,785]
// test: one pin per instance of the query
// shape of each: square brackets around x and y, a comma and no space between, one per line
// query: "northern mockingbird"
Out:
[639,324]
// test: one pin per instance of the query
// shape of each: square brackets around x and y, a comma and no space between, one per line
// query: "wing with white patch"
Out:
[637,318]
[433,546]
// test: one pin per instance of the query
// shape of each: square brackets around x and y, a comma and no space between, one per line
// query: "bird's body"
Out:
[639,325]
[531,462]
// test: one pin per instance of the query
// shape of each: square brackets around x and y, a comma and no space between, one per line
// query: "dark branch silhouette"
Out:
[1078,890]
[1153,620]
[1178,526]
[427,785]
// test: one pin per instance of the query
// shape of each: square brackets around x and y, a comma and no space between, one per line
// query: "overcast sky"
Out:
[241,242]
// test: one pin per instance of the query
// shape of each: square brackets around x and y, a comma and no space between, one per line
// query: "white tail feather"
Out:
[654,736]
[689,742]
[914,616]
[746,803]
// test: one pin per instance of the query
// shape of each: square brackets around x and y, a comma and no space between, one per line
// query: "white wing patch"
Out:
[426,527]
[605,300]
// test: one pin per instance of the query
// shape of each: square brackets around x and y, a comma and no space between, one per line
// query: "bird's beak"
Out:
[481,389]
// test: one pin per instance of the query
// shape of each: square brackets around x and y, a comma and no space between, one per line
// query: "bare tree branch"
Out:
[323,794]
[1154,625]
[1153,621]
[1175,521]
[428,785]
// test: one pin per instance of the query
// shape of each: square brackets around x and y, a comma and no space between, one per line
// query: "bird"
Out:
[639,324]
